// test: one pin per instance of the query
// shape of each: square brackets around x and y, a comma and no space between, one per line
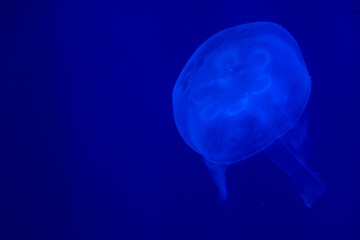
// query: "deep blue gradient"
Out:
[89,148]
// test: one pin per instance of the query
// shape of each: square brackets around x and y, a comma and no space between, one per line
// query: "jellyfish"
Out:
[244,91]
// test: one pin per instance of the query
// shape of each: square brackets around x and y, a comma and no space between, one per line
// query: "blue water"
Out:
[89,147]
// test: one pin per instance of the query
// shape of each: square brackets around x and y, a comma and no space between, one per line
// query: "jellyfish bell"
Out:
[242,90]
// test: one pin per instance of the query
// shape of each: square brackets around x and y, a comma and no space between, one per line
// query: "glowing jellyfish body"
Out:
[242,91]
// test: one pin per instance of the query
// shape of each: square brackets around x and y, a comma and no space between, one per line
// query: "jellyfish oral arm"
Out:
[308,184]
[217,172]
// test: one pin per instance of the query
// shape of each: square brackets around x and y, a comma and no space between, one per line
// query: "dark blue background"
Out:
[89,148]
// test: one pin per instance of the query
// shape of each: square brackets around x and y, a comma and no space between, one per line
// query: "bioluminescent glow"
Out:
[242,91]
